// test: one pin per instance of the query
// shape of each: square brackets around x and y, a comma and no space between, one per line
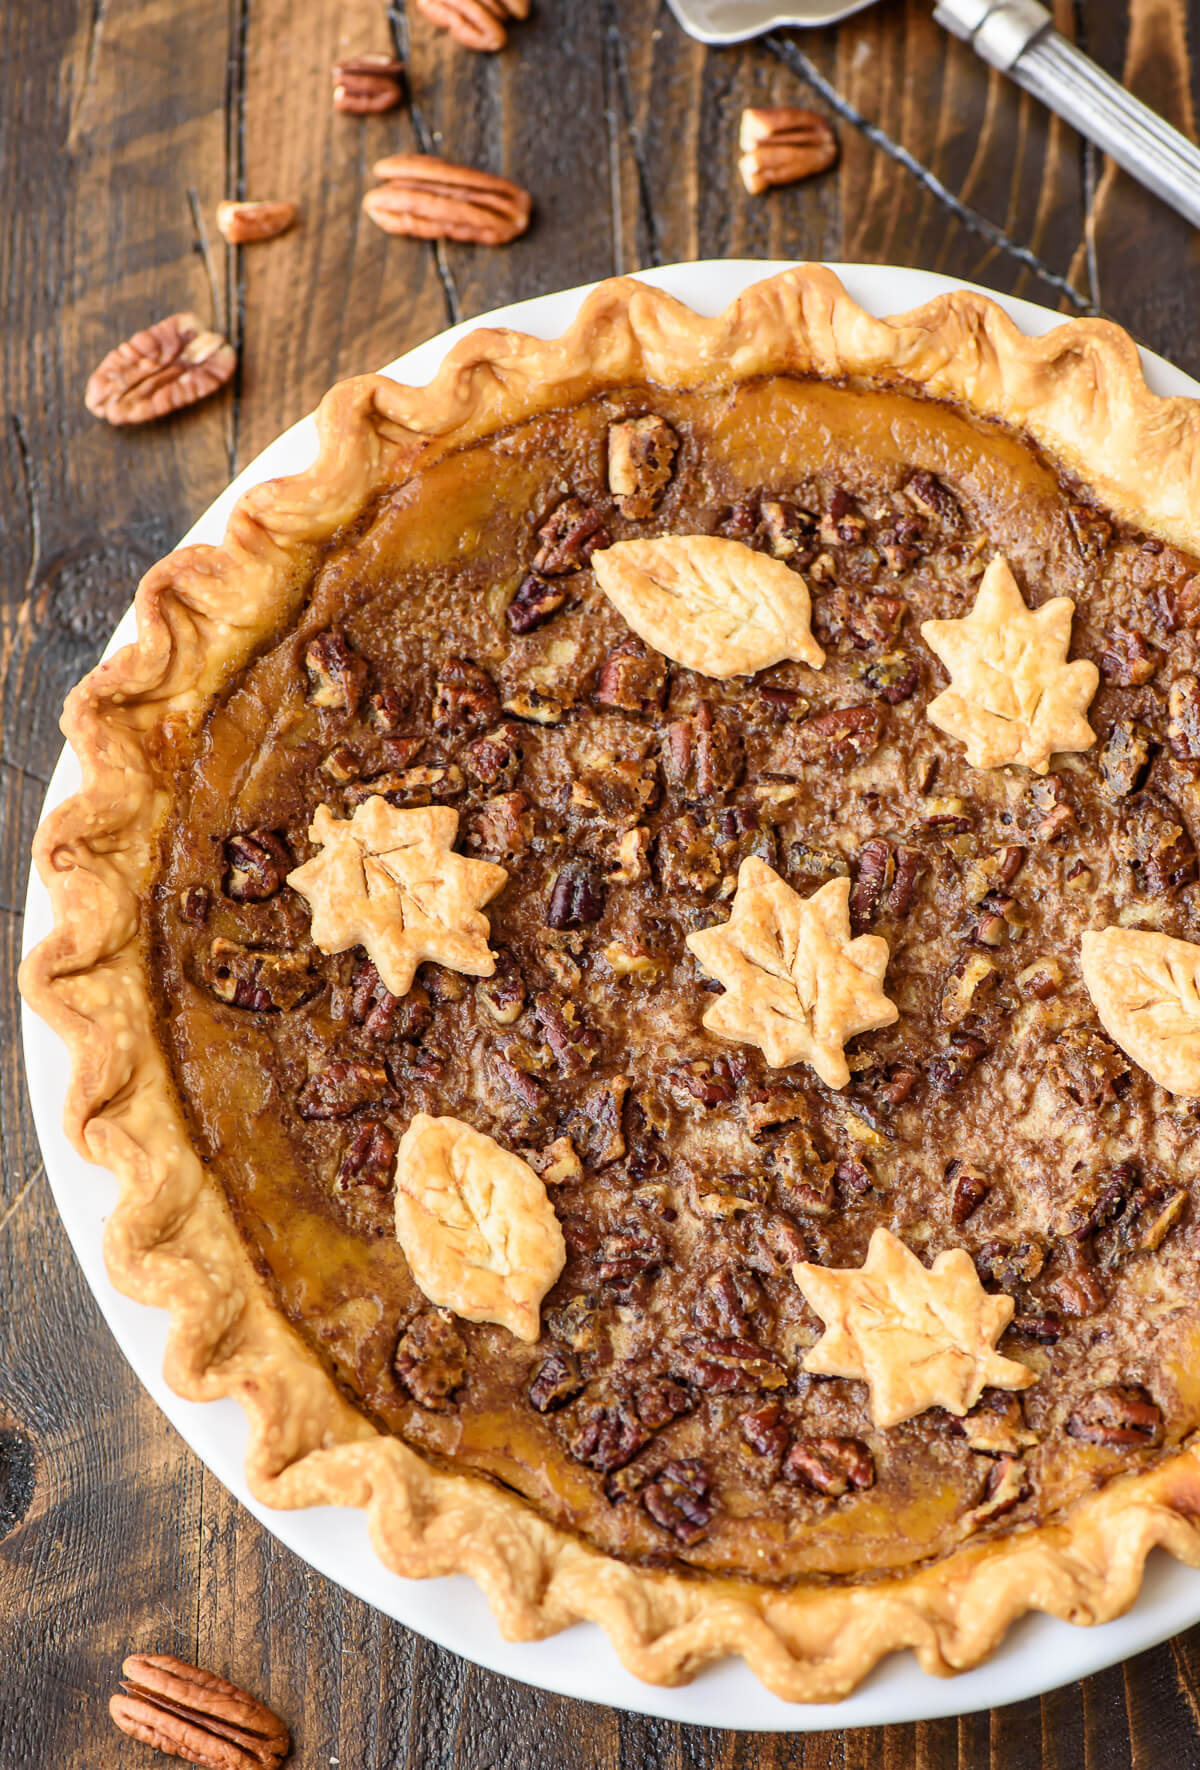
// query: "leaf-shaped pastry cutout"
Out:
[476,1226]
[918,1336]
[712,605]
[1013,697]
[796,984]
[1146,989]
[389,880]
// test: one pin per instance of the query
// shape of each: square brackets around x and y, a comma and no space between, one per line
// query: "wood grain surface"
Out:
[122,123]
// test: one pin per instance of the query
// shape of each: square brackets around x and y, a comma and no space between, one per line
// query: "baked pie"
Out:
[633,939]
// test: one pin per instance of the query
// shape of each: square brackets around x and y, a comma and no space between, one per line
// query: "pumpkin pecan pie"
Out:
[633,938]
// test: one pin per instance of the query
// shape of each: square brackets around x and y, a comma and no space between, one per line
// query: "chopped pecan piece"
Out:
[337,675]
[1044,1330]
[628,860]
[830,1466]
[1006,1486]
[576,897]
[1118,1415]
[410,786]
[631,679]
[1153,838]
[729,1365]
[688,864]
[568,538]
[170,365]
[895,677]
[557,1381]
[1093,532]
[257,978]
[678,1500]
[243,224]
[386,713]
[534,601]
[431,1361]
[702,756]
[1050,809]
[660,1401]
[493,760]
[765,1430]
[626,1253]
[502,829]
[1157,1212]
[607,1435]
[873,875]
[910,863]
[932,498]
[1183,718]
[259,861]
[1126,757]
[1128,659]
[370,1158]
[365,85]
[970,1189]
[699,1079]
[502,995]
[723,1196]
[525,1089]
[464,696]
[996,1426]
[843,735]
[1007,1265]
[343,763]
[343,1087]
[194,904]
[1095,1204]
[727,1301]
[949,1069]
[867,619]
[641,454]
[1088,1067]
[1075,1289]
[843,523]
[577,1322]
[959,996]
[192,1714]
[598,1121]
[787,531]
[804,1182]
[384,1016]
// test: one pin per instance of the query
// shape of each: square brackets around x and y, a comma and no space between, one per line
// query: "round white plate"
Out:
[1038,1654]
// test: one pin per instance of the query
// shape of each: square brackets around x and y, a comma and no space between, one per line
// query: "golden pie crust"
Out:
[172,1242]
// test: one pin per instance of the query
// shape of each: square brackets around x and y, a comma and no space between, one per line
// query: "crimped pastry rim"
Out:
[1079,391]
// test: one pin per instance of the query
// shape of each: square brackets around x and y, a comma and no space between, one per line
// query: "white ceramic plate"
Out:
[1038,1654]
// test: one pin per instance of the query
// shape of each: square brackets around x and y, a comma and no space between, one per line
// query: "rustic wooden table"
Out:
[122,122]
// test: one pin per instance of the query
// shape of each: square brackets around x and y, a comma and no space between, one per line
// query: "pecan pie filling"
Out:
[722,1202]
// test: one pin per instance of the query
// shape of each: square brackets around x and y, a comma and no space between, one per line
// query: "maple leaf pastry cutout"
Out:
[796,984]
[1013,697]
[390,881]
[1146,991]
[918,1336]
[476,1225]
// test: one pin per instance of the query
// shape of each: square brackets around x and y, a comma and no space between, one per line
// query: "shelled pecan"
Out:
[476,24]
[193,1714]
[431,199]
[170,365]
[242,224]
[364,85]
[781,144]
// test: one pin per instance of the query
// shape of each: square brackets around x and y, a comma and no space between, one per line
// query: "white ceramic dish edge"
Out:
[1038,1654]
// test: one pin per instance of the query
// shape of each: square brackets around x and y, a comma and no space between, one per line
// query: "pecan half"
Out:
[678,1499]
[342,1087]
[1119,1414]
[765,1430]
[970,1189]
[171,364]
[336,674]
[258,978]
[259,862]
[780,144]
[193,1714]
[364,85]
[843,735]
[702,756]
[384,1016]
[830,1466]
[576,897]
[568,538]
[873,875]
[370,1158]
[430,1361]
[607,1435]
[641,454]
[431,199]
[476,24]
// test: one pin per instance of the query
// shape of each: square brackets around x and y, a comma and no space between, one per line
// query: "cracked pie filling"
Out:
[684,963]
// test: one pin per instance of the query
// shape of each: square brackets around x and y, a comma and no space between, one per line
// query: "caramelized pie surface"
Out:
[664,1414]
